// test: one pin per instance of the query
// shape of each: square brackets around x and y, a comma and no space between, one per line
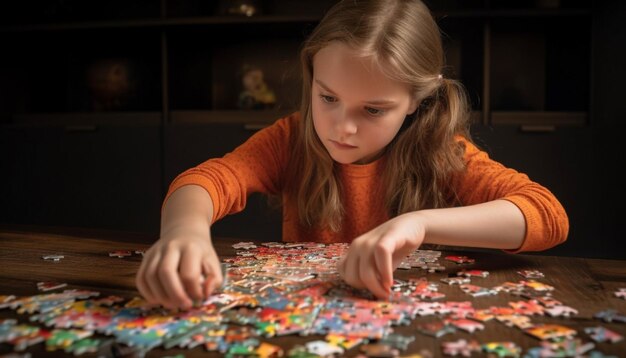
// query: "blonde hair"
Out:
[404,41]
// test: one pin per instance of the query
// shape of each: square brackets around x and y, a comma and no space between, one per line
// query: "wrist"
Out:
[418,219]
[187,226]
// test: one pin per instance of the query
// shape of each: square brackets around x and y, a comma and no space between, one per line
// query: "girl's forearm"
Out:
[497,224]
[189,208]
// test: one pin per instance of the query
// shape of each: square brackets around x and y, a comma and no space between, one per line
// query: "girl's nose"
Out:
[346,125]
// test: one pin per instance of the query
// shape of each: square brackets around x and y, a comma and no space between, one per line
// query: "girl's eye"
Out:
[374,111]
[328,99]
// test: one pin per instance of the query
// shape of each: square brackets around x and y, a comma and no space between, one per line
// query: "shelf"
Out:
[163,23]
[513,13]
[87,119]
[522,62]
[276,19]
[252,117]
[530,118]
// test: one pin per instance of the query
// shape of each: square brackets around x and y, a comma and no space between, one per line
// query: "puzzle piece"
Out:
[561,311]
[435,329]
[120,253]
[503,349]
[610,315]
[244,246]
[477,291]
[527,308]
[62,339]
[83,346]
[460,347]
[46,286]
[521,322]
[455,280]
[466,325]
[323,348]
[602,334]
[551,332]
[548,301]
[460,259]
[531,273]
[482,315]
[537,286]
[473,273]
[397,341]
[563,348]
[54,258]
[379,350]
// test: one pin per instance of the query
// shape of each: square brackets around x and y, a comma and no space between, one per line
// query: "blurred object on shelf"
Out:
[240,7]
[256,94]
[110,84]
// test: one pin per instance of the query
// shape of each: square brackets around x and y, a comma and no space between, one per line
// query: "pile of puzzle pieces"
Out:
[279,289]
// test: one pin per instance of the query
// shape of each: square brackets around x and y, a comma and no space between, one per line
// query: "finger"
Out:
[151,279]
[351,270]
[341,266]
[190,273]
[213,275]
[371,279]
[140,281]
[383,261]
[173,287]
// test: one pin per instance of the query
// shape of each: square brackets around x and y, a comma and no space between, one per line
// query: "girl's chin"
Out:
[348,160]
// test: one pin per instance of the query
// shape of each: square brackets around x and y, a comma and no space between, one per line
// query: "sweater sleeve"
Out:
[485,180]
[254,166]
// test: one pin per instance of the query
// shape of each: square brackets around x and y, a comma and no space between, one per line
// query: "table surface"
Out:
[587,285]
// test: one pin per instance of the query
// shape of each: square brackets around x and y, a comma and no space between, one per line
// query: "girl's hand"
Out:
[373,256]
[178,270]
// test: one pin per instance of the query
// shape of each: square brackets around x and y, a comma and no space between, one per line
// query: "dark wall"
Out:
[607,123]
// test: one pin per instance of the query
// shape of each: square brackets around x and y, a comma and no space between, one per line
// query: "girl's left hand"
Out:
[373,256]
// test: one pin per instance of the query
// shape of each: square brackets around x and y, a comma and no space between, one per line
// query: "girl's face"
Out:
[357,110]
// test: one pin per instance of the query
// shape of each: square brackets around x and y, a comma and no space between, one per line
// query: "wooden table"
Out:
[584,284]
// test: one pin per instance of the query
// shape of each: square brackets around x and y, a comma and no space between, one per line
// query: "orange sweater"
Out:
[256,166]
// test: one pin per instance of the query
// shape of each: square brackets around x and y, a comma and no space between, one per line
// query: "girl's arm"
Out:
[182,266]
[497,224]
[373,256]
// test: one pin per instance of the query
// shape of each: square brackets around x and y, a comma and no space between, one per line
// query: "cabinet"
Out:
[91,176]
[161,79]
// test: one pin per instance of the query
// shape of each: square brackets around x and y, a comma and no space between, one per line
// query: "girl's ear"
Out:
[413,105]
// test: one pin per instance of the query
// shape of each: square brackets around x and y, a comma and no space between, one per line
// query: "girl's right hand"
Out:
[179,270]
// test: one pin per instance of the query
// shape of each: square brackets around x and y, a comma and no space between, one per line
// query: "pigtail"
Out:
[424,157]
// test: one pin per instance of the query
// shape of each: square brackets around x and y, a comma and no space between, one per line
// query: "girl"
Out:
[379,155]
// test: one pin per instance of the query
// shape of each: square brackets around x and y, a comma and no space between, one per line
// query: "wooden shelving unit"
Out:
[172,70]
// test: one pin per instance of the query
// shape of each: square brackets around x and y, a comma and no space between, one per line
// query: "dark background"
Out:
[103,103]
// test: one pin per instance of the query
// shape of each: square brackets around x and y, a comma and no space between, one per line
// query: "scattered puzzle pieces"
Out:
[275,289]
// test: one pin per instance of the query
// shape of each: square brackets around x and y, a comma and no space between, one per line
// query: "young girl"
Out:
[379,155]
